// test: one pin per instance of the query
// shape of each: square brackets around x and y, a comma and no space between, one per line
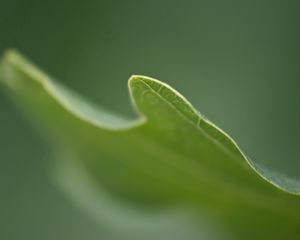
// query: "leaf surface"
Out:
[169,156]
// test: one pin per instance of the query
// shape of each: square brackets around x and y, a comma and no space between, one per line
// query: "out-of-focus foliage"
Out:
[171,157]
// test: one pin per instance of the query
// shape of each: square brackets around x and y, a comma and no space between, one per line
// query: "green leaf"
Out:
[169,156]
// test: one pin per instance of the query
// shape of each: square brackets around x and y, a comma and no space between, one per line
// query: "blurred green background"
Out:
[236,61]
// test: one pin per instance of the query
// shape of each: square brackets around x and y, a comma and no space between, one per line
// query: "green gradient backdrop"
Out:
[236,61]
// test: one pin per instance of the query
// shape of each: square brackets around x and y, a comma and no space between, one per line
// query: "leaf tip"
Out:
[138,82]
[142,95]
[135,79]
